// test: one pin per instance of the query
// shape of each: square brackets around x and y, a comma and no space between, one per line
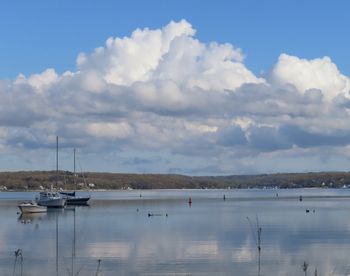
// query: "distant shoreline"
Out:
[40,180]
[179,189]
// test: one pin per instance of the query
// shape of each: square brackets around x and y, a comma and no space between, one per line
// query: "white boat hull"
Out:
[31,208]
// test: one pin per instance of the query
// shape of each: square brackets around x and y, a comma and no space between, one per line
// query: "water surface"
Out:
[212,236]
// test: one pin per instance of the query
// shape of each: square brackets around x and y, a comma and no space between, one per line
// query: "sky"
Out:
[186,87]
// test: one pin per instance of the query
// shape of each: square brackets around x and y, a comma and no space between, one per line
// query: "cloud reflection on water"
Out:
[118,250]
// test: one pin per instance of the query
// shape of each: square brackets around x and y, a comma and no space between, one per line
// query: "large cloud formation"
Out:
[180,105]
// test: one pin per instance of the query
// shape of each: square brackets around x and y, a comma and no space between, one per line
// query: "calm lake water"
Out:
[211,237]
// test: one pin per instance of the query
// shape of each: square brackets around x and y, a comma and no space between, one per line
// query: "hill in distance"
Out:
[36,180]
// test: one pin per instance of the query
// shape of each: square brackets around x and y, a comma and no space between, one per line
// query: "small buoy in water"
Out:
[190,200]
[224,197]
[313,210]
[300,198]
[307,210]
[166,214]
[149,214]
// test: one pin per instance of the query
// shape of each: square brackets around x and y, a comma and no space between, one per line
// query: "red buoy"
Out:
[190,200]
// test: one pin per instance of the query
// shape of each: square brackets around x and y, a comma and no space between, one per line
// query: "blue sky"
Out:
[191,87]
[36,35]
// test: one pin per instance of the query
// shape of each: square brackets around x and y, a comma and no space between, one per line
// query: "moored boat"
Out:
[31,207]
[51,199]
[72,199]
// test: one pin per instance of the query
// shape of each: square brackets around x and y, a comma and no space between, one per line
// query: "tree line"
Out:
[36,180]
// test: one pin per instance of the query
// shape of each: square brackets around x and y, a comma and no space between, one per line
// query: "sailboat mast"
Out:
[74,161]
[75,181]
[56,160]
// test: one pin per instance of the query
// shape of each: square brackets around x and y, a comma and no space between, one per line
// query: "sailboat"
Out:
[52,198]
[71,197]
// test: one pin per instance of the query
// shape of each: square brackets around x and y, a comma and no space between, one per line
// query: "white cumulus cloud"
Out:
[39,82]
[320,73]
[195,107]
